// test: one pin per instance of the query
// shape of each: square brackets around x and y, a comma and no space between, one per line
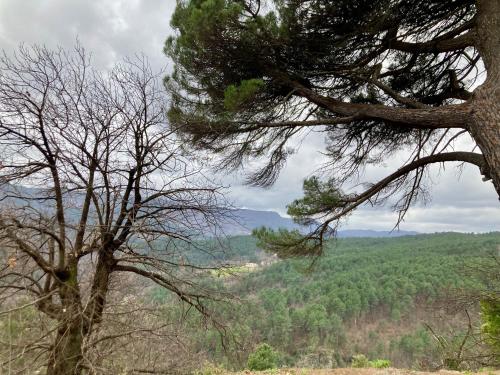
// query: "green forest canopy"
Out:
[389,285]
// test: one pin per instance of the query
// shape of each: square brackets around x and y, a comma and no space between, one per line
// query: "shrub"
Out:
[263,358]
[490,314]
[210,369]
[380,363]
[360,361]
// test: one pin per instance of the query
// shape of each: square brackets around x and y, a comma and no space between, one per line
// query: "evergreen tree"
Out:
[377,76]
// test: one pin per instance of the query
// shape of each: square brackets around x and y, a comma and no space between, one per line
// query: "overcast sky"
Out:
[113,29]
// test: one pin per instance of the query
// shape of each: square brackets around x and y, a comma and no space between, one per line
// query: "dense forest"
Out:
[397,299]
[410,300]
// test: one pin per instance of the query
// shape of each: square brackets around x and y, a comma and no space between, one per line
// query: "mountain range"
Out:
[242,221]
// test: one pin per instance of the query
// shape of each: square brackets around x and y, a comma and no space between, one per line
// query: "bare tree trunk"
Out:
[67,354]
[485,126]
[100,287]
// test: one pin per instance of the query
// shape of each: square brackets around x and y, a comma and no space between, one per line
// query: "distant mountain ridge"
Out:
[246,220]
[242,223]
[375,233]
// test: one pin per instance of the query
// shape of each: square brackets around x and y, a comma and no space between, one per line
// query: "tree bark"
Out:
[100,285]
[67,350]
[449,116]
[485,124]
[485,129]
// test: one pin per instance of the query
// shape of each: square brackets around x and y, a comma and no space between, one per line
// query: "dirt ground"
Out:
[360,371]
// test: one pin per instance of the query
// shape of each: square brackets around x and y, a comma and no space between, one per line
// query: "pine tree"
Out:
[376,76]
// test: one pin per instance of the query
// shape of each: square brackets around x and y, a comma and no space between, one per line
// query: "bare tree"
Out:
[93,185]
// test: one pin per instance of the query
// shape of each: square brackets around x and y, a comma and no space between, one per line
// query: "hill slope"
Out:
[369,295]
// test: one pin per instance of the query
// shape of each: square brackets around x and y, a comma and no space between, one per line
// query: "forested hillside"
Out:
[385,298]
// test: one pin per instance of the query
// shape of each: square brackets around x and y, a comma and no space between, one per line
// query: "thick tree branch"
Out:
[450,116]
[241,127]
[435,46]
[468,157]
[25,247]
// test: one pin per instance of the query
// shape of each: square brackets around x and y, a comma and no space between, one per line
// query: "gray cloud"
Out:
[430,219]
[458,198]
[113,29]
